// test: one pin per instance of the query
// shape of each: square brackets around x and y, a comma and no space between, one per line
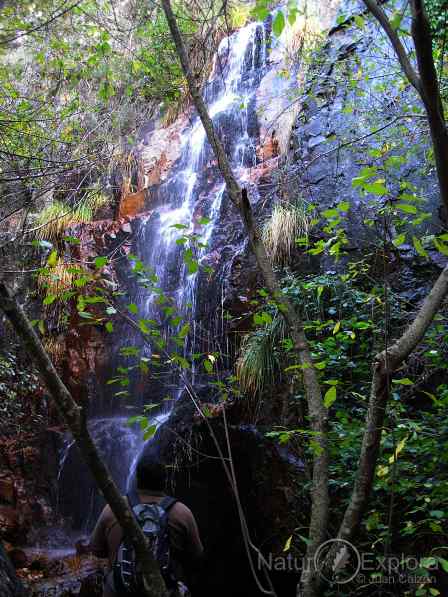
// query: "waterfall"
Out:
[193,189]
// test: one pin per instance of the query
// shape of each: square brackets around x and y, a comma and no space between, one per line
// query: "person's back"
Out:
[185,544]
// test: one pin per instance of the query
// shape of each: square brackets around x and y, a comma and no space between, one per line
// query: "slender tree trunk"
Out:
[317,412]
[70,412]
[385,364]
[424,81]
[430,94]
[426,84]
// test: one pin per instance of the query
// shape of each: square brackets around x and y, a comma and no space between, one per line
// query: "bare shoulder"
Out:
[107,514]
[181,510]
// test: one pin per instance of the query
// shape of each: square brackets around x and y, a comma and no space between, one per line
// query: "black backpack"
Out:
[153,519]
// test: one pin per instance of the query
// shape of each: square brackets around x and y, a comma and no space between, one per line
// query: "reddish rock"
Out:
[269,149]
[9,523]
[18,558]
[157,172]
[7,493]
[132,204]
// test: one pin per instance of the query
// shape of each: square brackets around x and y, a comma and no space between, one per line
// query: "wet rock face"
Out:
[28,471]
[350,94]
[10,585]
[28,450]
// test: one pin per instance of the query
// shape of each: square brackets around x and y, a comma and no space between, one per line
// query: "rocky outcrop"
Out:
[356,114]
[269,481]
[28,471]
[10,585]
[28,450]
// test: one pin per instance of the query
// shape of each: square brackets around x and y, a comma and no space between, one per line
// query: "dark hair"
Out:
[150,474]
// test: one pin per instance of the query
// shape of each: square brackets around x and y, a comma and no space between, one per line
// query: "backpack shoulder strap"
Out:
[167,503]
[133,499]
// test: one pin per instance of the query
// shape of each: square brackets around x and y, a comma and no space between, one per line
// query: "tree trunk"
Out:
[430,94]
[425,81]
[317,411]
[386,363]
[70,412]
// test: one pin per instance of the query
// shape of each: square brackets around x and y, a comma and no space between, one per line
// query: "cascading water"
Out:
[194,189]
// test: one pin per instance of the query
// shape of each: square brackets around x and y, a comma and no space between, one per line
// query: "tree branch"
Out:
[425,81]
[384,366]
[70,412]
[400,50]
[430,93]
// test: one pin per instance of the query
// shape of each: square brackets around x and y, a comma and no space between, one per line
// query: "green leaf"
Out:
[72,240]
[382,471]
[100,262]
[184,330]
[121,393]
[330,396]
[278,23]
[359,21]
[49,299]
[321,365]
[444,563]
[260,11]
[288,544]
[262,318]
[376,188]
[343,206]
[204,221]
[330,213]
[419,247]
[150,432]
[192,266]
[132,307]
[109,327]
[316,448]
[441,247]
[409,209]
[53,258]
[181,361]
[208,366]
[399,240]
[403,382]
[144,328]
[396,19]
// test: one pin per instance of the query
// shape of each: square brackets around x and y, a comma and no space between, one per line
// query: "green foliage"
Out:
[258,367]
[21,405]
[53,221]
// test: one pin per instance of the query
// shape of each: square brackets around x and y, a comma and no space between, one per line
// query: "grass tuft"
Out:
[53,221]
[286,223]
[257,366]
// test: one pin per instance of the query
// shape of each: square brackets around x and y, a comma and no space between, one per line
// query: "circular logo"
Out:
[337,561]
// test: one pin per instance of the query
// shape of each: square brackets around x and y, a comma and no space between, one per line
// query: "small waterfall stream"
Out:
[194,189]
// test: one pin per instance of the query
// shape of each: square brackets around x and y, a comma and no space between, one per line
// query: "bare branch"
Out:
[400,50]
